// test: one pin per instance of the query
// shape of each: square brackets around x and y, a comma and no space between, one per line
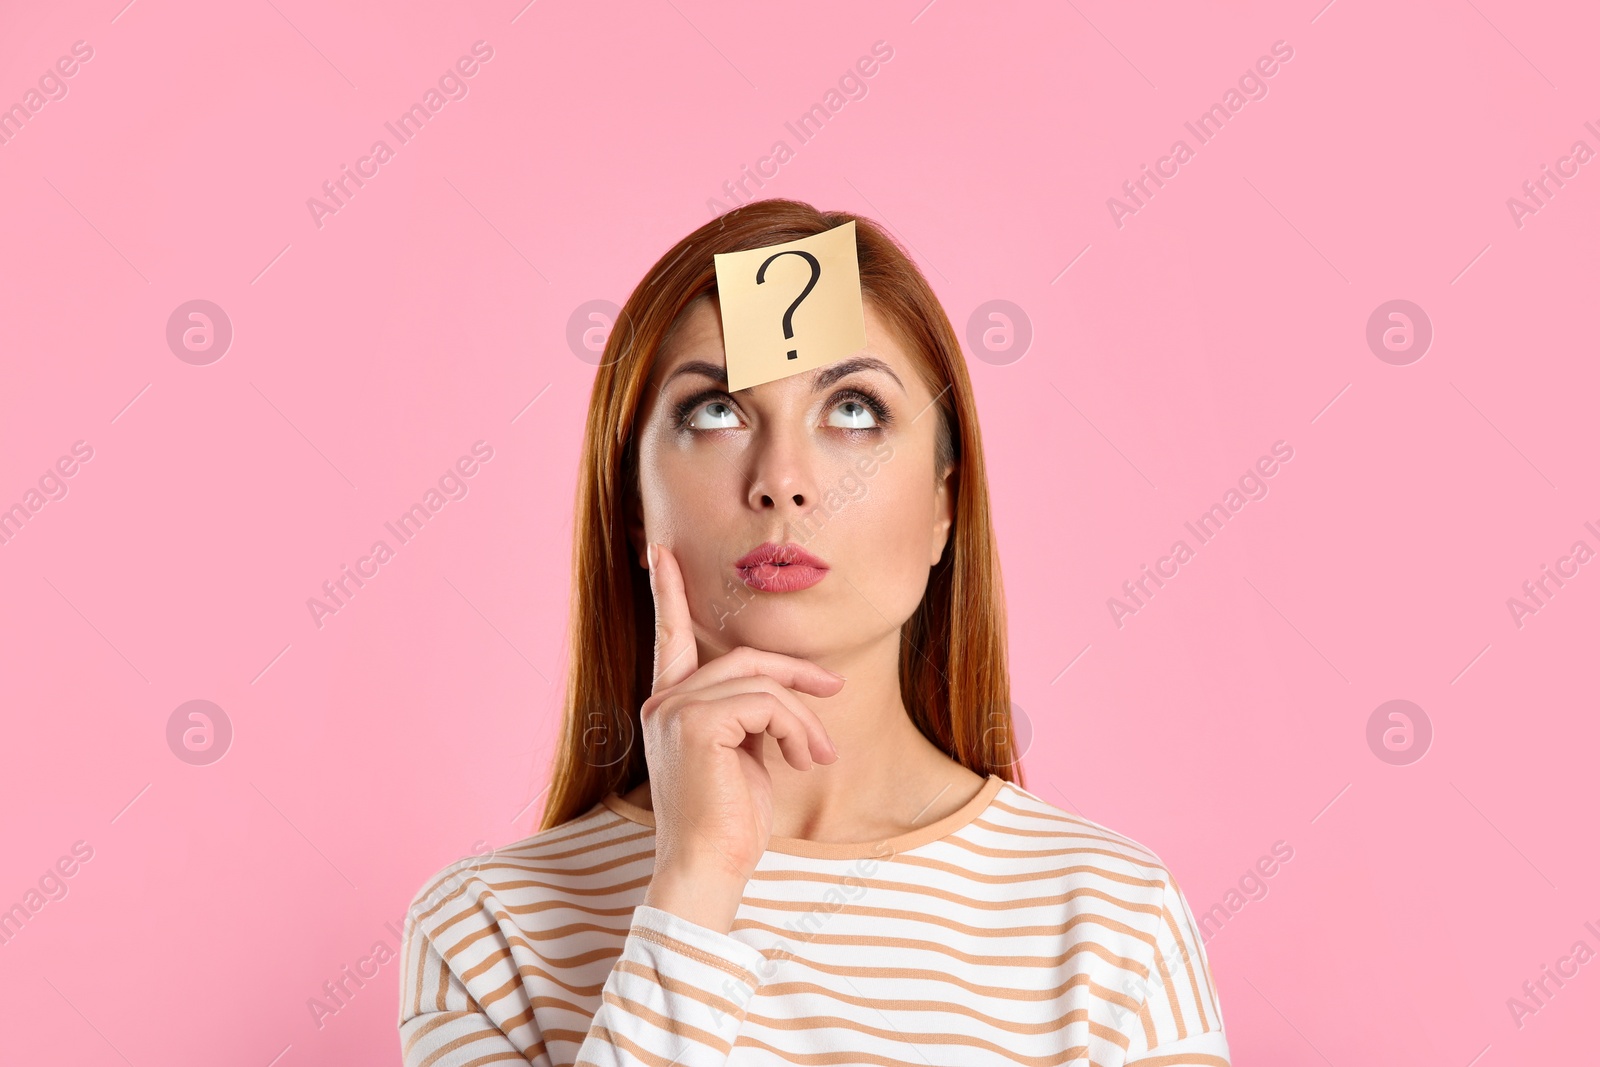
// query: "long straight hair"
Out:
[954,678]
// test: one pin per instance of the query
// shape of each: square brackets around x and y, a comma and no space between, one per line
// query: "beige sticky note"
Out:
[790,307]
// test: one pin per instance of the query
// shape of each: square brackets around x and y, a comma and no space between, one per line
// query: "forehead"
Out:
[697,335]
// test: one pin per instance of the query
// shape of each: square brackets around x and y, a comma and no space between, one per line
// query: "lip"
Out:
[785,568]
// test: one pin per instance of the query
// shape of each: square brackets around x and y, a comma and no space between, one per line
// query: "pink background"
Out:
[1230,312]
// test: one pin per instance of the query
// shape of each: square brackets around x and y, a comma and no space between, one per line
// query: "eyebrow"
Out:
[823,376]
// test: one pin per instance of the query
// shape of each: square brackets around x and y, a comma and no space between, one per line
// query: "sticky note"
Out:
[792,307]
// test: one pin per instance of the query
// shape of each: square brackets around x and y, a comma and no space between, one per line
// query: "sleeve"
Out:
[676,994]
[1179,1021]
[443,1025]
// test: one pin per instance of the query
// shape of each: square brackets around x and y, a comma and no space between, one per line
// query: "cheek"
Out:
[899,496]
[684,504]
[684,495]
[898,516]
[694,503]
[891,540]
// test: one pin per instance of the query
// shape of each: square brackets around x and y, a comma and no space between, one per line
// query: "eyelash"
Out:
[868,399]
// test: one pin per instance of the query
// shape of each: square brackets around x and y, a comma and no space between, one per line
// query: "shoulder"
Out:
[1124,911]
[1028,816]
[570,859]
[1086,859]
[472,926]
[1120,896]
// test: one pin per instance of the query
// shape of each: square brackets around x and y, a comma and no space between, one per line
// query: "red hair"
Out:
[954,677]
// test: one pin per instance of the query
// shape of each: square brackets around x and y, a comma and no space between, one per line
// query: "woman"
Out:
[794,832]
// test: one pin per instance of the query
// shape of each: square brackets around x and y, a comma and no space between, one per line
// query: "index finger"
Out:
[675,656]
[790,671]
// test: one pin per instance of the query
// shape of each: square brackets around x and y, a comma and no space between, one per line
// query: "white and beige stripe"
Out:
[1008,932]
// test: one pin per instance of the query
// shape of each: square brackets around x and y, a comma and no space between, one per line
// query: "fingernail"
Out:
[650,554]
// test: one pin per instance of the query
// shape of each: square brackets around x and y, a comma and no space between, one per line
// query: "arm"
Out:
[1179,1023]
[677,993]
[443,1025]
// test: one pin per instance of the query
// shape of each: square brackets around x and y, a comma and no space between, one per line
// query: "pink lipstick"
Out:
[782,568]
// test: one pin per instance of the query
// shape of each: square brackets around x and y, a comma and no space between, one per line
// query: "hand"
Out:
[704,733]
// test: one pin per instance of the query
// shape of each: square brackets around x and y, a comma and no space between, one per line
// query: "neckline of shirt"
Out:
[847,850]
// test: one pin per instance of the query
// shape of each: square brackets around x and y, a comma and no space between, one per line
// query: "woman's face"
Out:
[838,461]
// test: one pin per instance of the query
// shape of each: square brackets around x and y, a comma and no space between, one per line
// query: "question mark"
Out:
[788,316]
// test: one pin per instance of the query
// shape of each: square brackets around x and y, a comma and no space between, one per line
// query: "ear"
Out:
[944,496]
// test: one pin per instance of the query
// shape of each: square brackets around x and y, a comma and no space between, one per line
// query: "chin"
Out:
[786,636]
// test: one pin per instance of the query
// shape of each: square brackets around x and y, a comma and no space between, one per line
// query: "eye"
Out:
[861,410]
[857,414]
[719,412]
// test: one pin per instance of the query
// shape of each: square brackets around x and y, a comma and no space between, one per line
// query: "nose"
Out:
[781,474]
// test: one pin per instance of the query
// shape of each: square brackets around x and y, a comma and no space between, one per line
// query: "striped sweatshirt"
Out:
[1008,932]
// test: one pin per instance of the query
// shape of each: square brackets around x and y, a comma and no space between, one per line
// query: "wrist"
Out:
[705,899]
